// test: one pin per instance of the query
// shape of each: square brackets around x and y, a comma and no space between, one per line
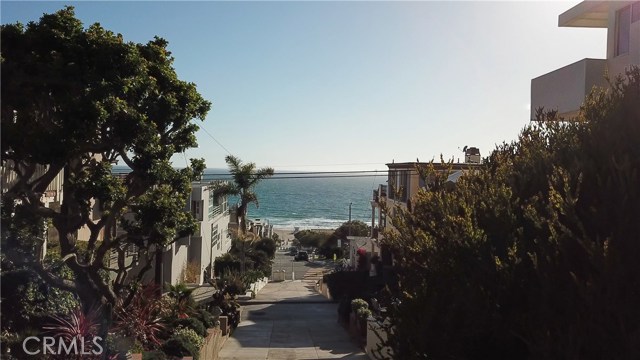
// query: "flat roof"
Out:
[589,14]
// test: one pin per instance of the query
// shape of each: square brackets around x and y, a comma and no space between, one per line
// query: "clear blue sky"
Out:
[350,85]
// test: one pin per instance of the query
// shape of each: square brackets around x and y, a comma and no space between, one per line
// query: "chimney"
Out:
[472,155]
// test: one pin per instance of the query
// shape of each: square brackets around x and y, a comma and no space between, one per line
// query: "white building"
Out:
[190,259]
[213,238]
[565,89]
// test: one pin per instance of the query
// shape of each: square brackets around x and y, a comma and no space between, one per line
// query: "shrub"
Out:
[141,319]
[234,284]
[535,255]
[184,342]
[358,304]
[363,313]
[191,323]
[207,318]
[349,283]
[226,264]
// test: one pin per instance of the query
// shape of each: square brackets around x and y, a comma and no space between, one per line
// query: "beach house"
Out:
[404,181]
[564,89]
[190,259]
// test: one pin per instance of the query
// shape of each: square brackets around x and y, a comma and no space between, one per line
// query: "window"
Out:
[215,236]
[195,208]
[623,30]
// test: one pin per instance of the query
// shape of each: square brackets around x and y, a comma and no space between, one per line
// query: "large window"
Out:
[623,30]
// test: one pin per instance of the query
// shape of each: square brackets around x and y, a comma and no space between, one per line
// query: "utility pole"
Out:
[350,218]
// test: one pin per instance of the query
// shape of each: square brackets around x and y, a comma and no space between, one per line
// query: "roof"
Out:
[436,165]
[590,14]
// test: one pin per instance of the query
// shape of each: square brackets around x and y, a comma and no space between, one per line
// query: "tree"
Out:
[534,255]
[245,178]
[77,101]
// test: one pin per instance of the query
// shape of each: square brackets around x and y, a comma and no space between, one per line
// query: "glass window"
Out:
[623,30]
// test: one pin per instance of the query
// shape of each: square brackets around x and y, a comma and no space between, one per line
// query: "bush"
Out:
[267,245]
[349,283]
[184,342]
[207,318]
[191,323]
[535,255]
[363,313]
[226,264]
[358,304]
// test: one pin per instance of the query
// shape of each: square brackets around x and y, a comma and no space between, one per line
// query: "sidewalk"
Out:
[293,292]
[290,321]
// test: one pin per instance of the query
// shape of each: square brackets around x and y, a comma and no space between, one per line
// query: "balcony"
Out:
[379,193]
[565,89]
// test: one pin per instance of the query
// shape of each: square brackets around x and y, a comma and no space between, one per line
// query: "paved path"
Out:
[290,321]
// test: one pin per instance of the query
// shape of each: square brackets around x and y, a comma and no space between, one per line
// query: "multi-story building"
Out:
[403,183]
[213,238]
[565,89]
[190,259]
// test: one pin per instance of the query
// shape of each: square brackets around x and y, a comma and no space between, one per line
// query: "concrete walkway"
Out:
[290,321]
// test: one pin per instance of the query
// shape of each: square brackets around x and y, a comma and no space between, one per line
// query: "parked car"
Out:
[302,255]
[293,251]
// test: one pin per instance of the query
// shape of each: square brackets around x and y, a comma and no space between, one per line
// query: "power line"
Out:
[314,172]
[216,140]
[299,177]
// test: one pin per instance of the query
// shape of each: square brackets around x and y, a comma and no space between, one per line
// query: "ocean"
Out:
[308,201]
[312,203]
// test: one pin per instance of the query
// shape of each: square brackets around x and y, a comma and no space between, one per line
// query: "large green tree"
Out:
[534,256]
[245,177]
[78,100]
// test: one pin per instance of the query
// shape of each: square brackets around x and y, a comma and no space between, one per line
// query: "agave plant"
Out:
[77,332]
[141,319]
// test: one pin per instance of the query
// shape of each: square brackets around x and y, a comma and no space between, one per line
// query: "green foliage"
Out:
[234,284]
[355,228]
[142,318]
[533,255]
[181,301]
[191,323]
[346,283]
[268,245]
[208,319]
[27,300]
[358,304]
[362,313]
[184,342]
[103,100]
[310,238]
[225,264]
[245,177]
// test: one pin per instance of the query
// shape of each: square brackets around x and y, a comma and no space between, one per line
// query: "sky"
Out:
[339,86]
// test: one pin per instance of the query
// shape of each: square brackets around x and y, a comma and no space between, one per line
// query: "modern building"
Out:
[565,89]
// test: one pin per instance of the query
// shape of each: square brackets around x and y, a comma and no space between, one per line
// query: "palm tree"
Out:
[245,178]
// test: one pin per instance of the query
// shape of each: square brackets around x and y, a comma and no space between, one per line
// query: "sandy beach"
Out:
[287,234]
